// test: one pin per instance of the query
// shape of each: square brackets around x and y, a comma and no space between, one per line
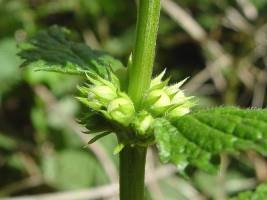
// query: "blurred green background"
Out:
[220,44]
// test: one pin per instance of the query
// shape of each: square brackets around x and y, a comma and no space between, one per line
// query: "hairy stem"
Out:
[144,50]
[132,173]
[132,159]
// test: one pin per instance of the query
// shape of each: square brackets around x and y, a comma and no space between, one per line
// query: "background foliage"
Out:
[221,45]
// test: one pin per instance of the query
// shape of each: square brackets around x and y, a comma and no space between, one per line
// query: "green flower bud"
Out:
[158,101]
[163,98]
[179,98]
[121,110]
[143,123]
[102,94]
[95,105]
[178,111]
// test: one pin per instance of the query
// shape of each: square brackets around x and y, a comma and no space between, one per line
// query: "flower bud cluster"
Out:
[105,97]
[143,123]
[168,101]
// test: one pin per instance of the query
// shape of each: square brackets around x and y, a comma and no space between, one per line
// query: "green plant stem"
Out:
[133,159]
[132,173]
[144,50]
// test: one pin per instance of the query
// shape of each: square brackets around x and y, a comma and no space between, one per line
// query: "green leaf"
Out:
[50,50]
[196,137]
[259,194]
[176,148]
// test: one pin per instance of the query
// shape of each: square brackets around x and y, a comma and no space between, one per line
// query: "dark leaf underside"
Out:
[51,51]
